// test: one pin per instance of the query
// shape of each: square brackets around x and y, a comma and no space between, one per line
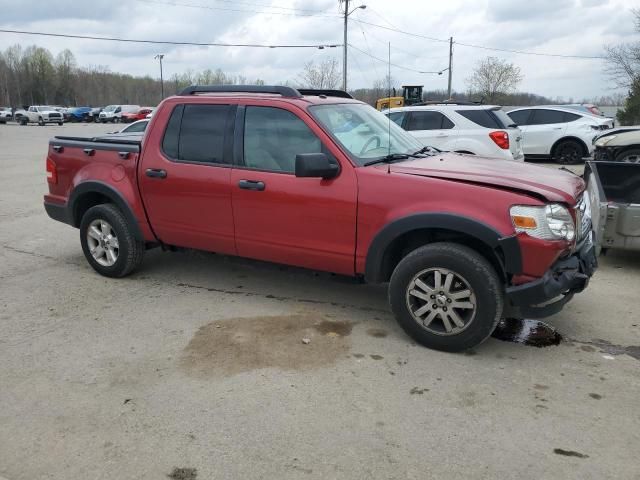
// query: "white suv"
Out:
[561,133]
[465,128]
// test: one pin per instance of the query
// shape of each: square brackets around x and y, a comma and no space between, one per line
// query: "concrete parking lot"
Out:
[194,367]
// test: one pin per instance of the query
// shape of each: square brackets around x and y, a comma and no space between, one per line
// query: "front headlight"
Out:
[549,222]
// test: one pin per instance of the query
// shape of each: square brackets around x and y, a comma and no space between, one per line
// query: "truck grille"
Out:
[55,115]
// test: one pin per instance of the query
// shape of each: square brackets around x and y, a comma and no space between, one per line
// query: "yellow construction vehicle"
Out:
[411,94]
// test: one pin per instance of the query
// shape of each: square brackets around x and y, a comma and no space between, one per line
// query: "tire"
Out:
[568,152]
[629,156]
[61,123]
[129,251]
[41,122]
[479,312]
[23,122]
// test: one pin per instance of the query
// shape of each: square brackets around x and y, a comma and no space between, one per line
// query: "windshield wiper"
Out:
[392,157]
[429,150]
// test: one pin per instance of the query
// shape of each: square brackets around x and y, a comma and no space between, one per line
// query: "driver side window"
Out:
[273,137]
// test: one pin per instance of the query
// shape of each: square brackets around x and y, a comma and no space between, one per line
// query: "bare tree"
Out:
[623,61]
[493,78]
[325,74]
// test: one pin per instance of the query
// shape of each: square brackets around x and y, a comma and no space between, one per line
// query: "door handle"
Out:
[251,185]
[442,135]
[89,151]
[58,148]
[156,173]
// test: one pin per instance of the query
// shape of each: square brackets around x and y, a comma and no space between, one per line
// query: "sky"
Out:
[565,27]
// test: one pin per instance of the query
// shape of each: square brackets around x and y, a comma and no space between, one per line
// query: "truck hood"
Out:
[552,184]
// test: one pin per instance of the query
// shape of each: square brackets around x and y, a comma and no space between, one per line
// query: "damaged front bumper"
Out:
[548,295]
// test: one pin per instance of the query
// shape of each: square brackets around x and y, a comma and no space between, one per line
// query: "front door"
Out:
[307,222]
[184,178]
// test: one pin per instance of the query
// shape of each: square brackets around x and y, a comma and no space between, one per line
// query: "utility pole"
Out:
[450,65]
[344,47]
[160,56]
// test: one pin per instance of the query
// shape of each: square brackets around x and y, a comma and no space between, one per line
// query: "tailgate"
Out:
[614,197]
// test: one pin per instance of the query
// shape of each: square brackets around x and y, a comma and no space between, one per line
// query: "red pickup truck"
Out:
[319,180]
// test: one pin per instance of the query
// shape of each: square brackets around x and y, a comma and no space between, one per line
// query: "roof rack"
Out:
[445,102]
[326,92]
[277,90]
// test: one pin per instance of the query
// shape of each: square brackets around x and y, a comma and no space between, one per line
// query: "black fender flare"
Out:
[112,194]
[511,260]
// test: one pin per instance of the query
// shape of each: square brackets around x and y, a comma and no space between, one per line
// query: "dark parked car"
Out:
[77,114]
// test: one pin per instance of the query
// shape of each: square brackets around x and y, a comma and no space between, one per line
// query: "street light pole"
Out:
[450,65]
[344,47]
[159,57]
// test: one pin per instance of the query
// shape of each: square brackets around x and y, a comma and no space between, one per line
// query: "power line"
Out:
[395,65]
[521,52]
[209,7]
[168,42]
[442,40]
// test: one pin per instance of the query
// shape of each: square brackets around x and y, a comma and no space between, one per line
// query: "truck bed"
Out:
[619,203]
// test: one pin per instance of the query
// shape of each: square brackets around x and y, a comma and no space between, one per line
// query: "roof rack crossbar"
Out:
[275,89]
[324,91]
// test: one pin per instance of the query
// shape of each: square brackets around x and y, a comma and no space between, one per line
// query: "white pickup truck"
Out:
[41,114]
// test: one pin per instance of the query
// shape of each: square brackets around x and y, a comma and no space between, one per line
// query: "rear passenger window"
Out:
[273,137]
[427,120]
[546,117]
[570,117]
[484,118]
[196,133]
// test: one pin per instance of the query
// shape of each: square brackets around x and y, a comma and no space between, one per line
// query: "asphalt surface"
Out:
[194,367]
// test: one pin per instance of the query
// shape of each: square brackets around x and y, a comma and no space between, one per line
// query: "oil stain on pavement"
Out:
[569,453]
[527,332]
[229,347]
[183,474]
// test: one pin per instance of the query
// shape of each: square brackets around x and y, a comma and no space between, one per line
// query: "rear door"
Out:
[184,177]
[308,222]
[543,129]
[432,128]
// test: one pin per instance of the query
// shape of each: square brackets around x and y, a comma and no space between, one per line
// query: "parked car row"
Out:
[562,133]
[43,114]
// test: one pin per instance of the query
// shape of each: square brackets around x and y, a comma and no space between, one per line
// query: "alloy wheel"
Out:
[441,301]
[103,243]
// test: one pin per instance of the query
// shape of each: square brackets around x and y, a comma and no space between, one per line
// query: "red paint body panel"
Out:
[320,224]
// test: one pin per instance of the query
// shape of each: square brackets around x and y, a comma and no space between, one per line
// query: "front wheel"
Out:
[41,122]
[446,296]
[629,156]
[108,242]
[60,123]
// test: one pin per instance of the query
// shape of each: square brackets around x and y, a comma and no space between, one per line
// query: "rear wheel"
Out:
[568,152]
[446,296]
[108,242]
[629,156]
[60,123]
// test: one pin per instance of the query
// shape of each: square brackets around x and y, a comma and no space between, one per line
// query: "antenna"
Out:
[389,116]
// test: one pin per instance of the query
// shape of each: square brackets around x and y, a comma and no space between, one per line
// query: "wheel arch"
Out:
[404,235]
[92,193]
[579,141]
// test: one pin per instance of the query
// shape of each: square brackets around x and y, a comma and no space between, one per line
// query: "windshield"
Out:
[110,108]
[364,132]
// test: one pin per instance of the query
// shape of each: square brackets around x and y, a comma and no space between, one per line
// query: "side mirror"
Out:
[317,165]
